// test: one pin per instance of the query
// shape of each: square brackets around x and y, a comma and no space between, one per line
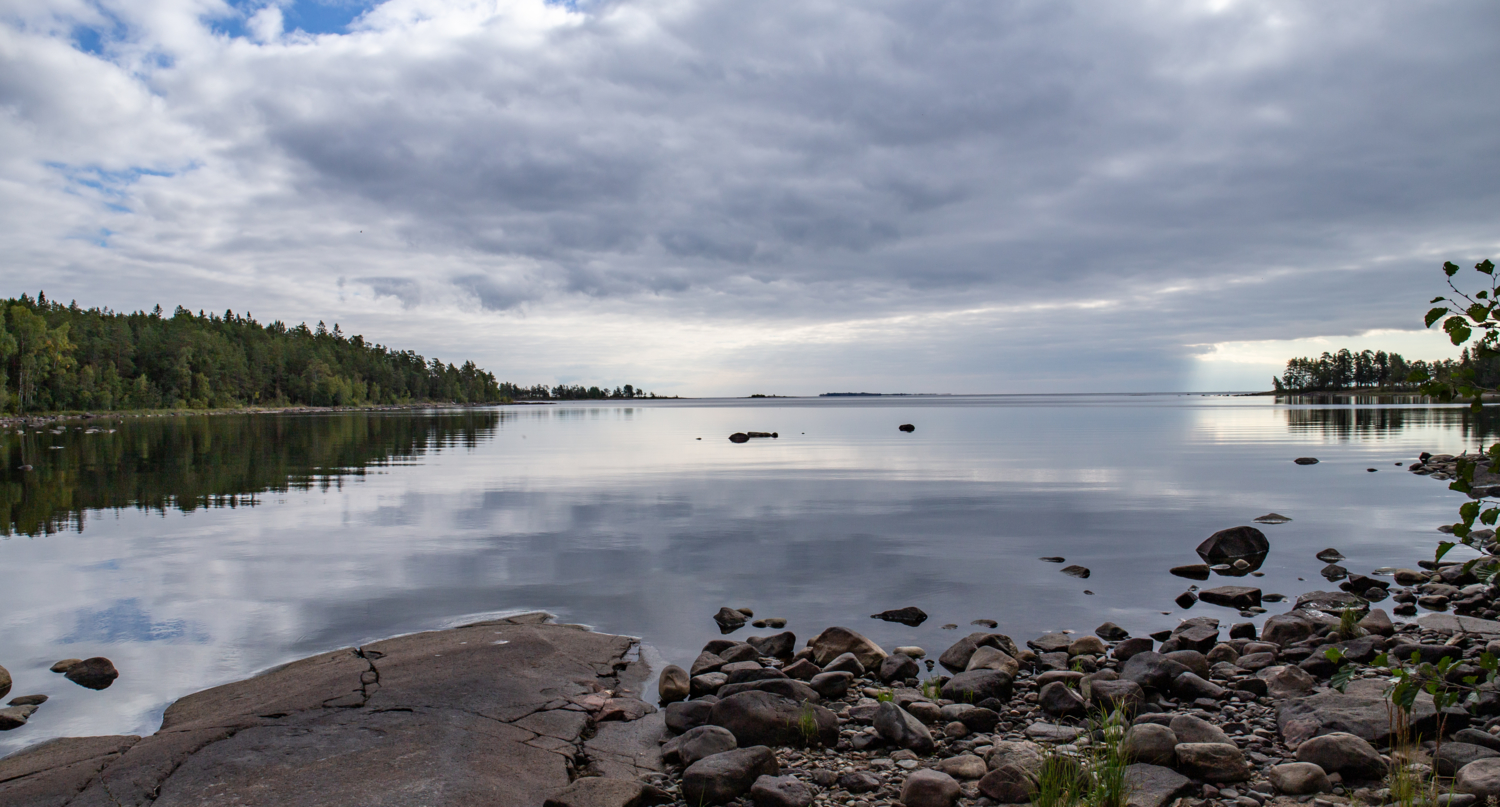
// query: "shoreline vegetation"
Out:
[62,358]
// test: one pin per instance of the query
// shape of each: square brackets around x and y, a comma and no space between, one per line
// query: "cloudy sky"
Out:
[708,197]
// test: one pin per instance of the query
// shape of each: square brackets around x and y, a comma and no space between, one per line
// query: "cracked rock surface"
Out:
[495,713]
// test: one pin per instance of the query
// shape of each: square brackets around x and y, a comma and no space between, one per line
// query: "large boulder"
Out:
[779,645]
[831,685]
[1362,711]
[898,667]
[845,662]
[721,778]
[1240,597]
[929,788]
[1193,729]
[1117,694]
[836,641]
[704,741]
[1453,756]
[1152,670]
[606,791]
[1215,763]
[978,685]
[706,663]
[1345,754]
[899,728]
[5,682]
[1007,784]
[685,715]
[763,718]
[1227,546]
[1060,700]
[993,658]
[1480,778]
[785,687]
[1284,681]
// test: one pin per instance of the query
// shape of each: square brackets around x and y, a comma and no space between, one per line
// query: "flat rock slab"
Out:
[1361,711]
[488,714]
[1450,624]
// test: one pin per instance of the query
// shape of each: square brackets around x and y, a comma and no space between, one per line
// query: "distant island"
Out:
[1375,371]
[56,358]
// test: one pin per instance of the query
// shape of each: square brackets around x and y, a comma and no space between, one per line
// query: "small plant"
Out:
[807,723]
[1349,625]
[932,689]
[1062,781]
[883,697]
[1095,779]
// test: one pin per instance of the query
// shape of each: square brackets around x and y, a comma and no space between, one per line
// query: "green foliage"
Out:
[1094,779]
[58,357]
[1412,677]
[1349,625]
[1365,370]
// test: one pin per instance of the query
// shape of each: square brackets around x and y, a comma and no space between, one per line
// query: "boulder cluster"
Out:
[1216,717]
[93,673]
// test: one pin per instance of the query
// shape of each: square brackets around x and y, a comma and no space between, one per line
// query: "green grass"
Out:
[1094,778]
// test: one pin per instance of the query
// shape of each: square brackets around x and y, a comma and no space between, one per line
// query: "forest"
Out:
[1375,371]
[56,357]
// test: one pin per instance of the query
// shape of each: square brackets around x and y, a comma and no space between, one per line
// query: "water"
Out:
[198,550]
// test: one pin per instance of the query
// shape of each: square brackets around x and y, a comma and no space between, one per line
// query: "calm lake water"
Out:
[198,550]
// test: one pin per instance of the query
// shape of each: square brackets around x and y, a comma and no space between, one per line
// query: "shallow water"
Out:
[194,551]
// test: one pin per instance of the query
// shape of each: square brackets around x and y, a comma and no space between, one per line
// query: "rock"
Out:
[1192,571]
[907,427]
[1272,518]
[1117,694]
[1226,546]
[705,663]
[1361,711]
[1052,733]
[1087,646]
[1454,755]
[898,668]
[707,683]
[1110,632]
[1151,743]
[739,437]
[14,717]
[624,709]
[762,718]
[1051,643]
[964,766]
[911,651]
[1224,653]
[1059,700]
[1154,786]
[780,791]
[1231,596]
[94,673]
[1344,754]
[1189,687]
[990,658]
[1470,736]
[1286,681]
[674,684]
[910,615]
[28,700]
[704,741]
[723,777]
[1186,599]
[1152,671]
[979,719]
[802,670]
[1306,460]
[5,682]
[65,665]
[837,641]
[977,685]
[831,685]
[1480,778]
[902,729]
[1132,647]
[785,687]
[858,782]
[846,662]
[1214,763]
[778,645]
[929,788]
[606,791]
[1330,555]
[684,716]
[1075,570]
[1299,779]
[1193,660]
[739,651]
[1192,729]
[1200,633]
[1284,629]
[1007,784]
[1330,602]
[729,620]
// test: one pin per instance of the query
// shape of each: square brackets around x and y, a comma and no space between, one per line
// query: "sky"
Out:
[702,197]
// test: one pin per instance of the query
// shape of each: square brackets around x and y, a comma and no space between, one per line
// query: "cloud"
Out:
[1197,173]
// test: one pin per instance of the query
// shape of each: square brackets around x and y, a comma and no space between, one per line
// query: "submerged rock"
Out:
[1272,518]
[94,673]
[910,615]
[1306,460]
[1226,546]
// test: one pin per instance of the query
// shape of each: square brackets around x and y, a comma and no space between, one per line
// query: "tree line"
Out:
[63,357]
[1374,371]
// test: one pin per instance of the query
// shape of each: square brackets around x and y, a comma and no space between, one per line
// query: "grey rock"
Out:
[739,651]
[704,741]
[1123,694]
[1051,733]
[1286,681]
[1134,646]
[1231,596]
[1480,778]
[61,666]
[1361,711]
[606,791]
[705,663]
[686,715]
[1215,763]
[5,682]
[1154,786]
[1193,729]
[1110,632]
[836,641]
[1225,546]
[1471,736]
[1454,755]
[929,788]
[910,615]
[1151,743]
[761,718]
[978,685]
[779,645]
[14,717]
[1189,687]
[1195,661]
[1192,571]
[802,670]
[723,777]
[1007,784]
[964,767]
[845,662]
[28,700]
[1050,643]
[956,658]
[898,667]
[857,782]
[729,619]
[902,729]
[785,687]
[707,683]
[831,685]
[1087,646]
[1152,671]
[1344,754]
[780,791]
[993,658]
[1059,700]
[1330,602]
[1299,778]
